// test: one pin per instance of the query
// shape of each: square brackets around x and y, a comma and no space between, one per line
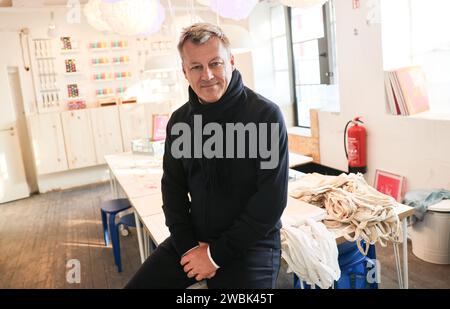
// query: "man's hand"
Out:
[197,264]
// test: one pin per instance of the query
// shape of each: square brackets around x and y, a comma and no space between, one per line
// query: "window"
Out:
[279,52]
[415,32]
[312,42]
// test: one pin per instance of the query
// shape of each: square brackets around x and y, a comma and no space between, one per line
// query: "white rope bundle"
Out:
[351,203]
[311,252]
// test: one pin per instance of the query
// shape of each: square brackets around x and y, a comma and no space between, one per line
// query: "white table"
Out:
[296,159]
[140,178]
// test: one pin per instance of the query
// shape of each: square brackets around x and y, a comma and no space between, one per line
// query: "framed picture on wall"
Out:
[159,127]
[390,184]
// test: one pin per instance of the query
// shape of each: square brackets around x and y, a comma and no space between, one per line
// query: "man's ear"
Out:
[232,60]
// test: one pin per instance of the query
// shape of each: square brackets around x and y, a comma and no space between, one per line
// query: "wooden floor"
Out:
[39,235]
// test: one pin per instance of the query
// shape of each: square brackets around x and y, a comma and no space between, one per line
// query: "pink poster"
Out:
[389,184]
[159,127]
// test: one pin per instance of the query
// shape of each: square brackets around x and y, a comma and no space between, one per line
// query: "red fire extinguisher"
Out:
[356,150]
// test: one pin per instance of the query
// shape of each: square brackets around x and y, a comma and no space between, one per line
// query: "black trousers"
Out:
[257,269]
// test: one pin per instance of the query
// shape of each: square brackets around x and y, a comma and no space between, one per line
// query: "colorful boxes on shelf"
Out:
[102,76]
[70,66]
[66,43]
[72,91]
[76,104]
[98,45]
[104,92]
[101,60]
[120,60]
[119,44]
[122,75]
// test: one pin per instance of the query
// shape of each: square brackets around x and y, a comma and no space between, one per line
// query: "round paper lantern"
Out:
[157,24]
[233,9]
[303,4]
[130,17]
[94,16]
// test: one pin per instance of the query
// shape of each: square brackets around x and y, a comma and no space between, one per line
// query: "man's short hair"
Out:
[200,33]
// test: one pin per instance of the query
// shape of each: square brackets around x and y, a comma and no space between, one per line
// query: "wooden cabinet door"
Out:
[79,139]
[48,143]
[134,124]
[106,130]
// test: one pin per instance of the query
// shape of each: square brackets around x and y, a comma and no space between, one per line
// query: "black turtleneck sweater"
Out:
[234,204]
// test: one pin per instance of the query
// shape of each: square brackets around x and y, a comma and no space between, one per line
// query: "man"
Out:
[223,211]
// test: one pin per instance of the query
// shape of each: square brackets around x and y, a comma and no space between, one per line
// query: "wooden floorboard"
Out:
[40,234]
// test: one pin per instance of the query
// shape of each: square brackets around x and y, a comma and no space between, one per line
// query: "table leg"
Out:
[405,253]
[398,266]
[111,180]
[139,234]
[145,243]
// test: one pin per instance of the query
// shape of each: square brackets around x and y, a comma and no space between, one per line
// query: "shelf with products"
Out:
[80,98]
[122,78]
[69,51]
[68,45]
[95,50]
[119,48]
[73,74]
[101,65]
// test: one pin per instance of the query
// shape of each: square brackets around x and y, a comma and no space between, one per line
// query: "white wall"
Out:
[416,148]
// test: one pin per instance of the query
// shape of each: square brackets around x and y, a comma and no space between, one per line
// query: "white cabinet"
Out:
[48,143]
[106,131]
[79,139]
[137,120]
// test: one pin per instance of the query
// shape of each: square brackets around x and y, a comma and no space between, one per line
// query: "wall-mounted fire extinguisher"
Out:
[356,150]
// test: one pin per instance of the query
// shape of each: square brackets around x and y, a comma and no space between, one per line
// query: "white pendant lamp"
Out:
[303,4]
[94,16]
[129,17]
[158,22]
[233,9]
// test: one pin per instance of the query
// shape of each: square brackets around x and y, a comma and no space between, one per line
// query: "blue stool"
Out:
[112,208]
[354,268]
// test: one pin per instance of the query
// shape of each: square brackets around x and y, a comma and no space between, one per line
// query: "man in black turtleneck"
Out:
[223,212]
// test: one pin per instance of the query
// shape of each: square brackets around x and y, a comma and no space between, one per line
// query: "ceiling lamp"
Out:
[233,9]
[94,16]
[130,17]
[157,24]
[303,4]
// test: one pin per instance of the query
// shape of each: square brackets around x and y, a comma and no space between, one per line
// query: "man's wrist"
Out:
[190,250]
[211,259]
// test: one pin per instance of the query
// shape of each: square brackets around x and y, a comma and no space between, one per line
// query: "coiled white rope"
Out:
[310,251]
[355,208]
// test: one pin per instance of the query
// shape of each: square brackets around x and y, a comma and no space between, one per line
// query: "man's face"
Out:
[208,68]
